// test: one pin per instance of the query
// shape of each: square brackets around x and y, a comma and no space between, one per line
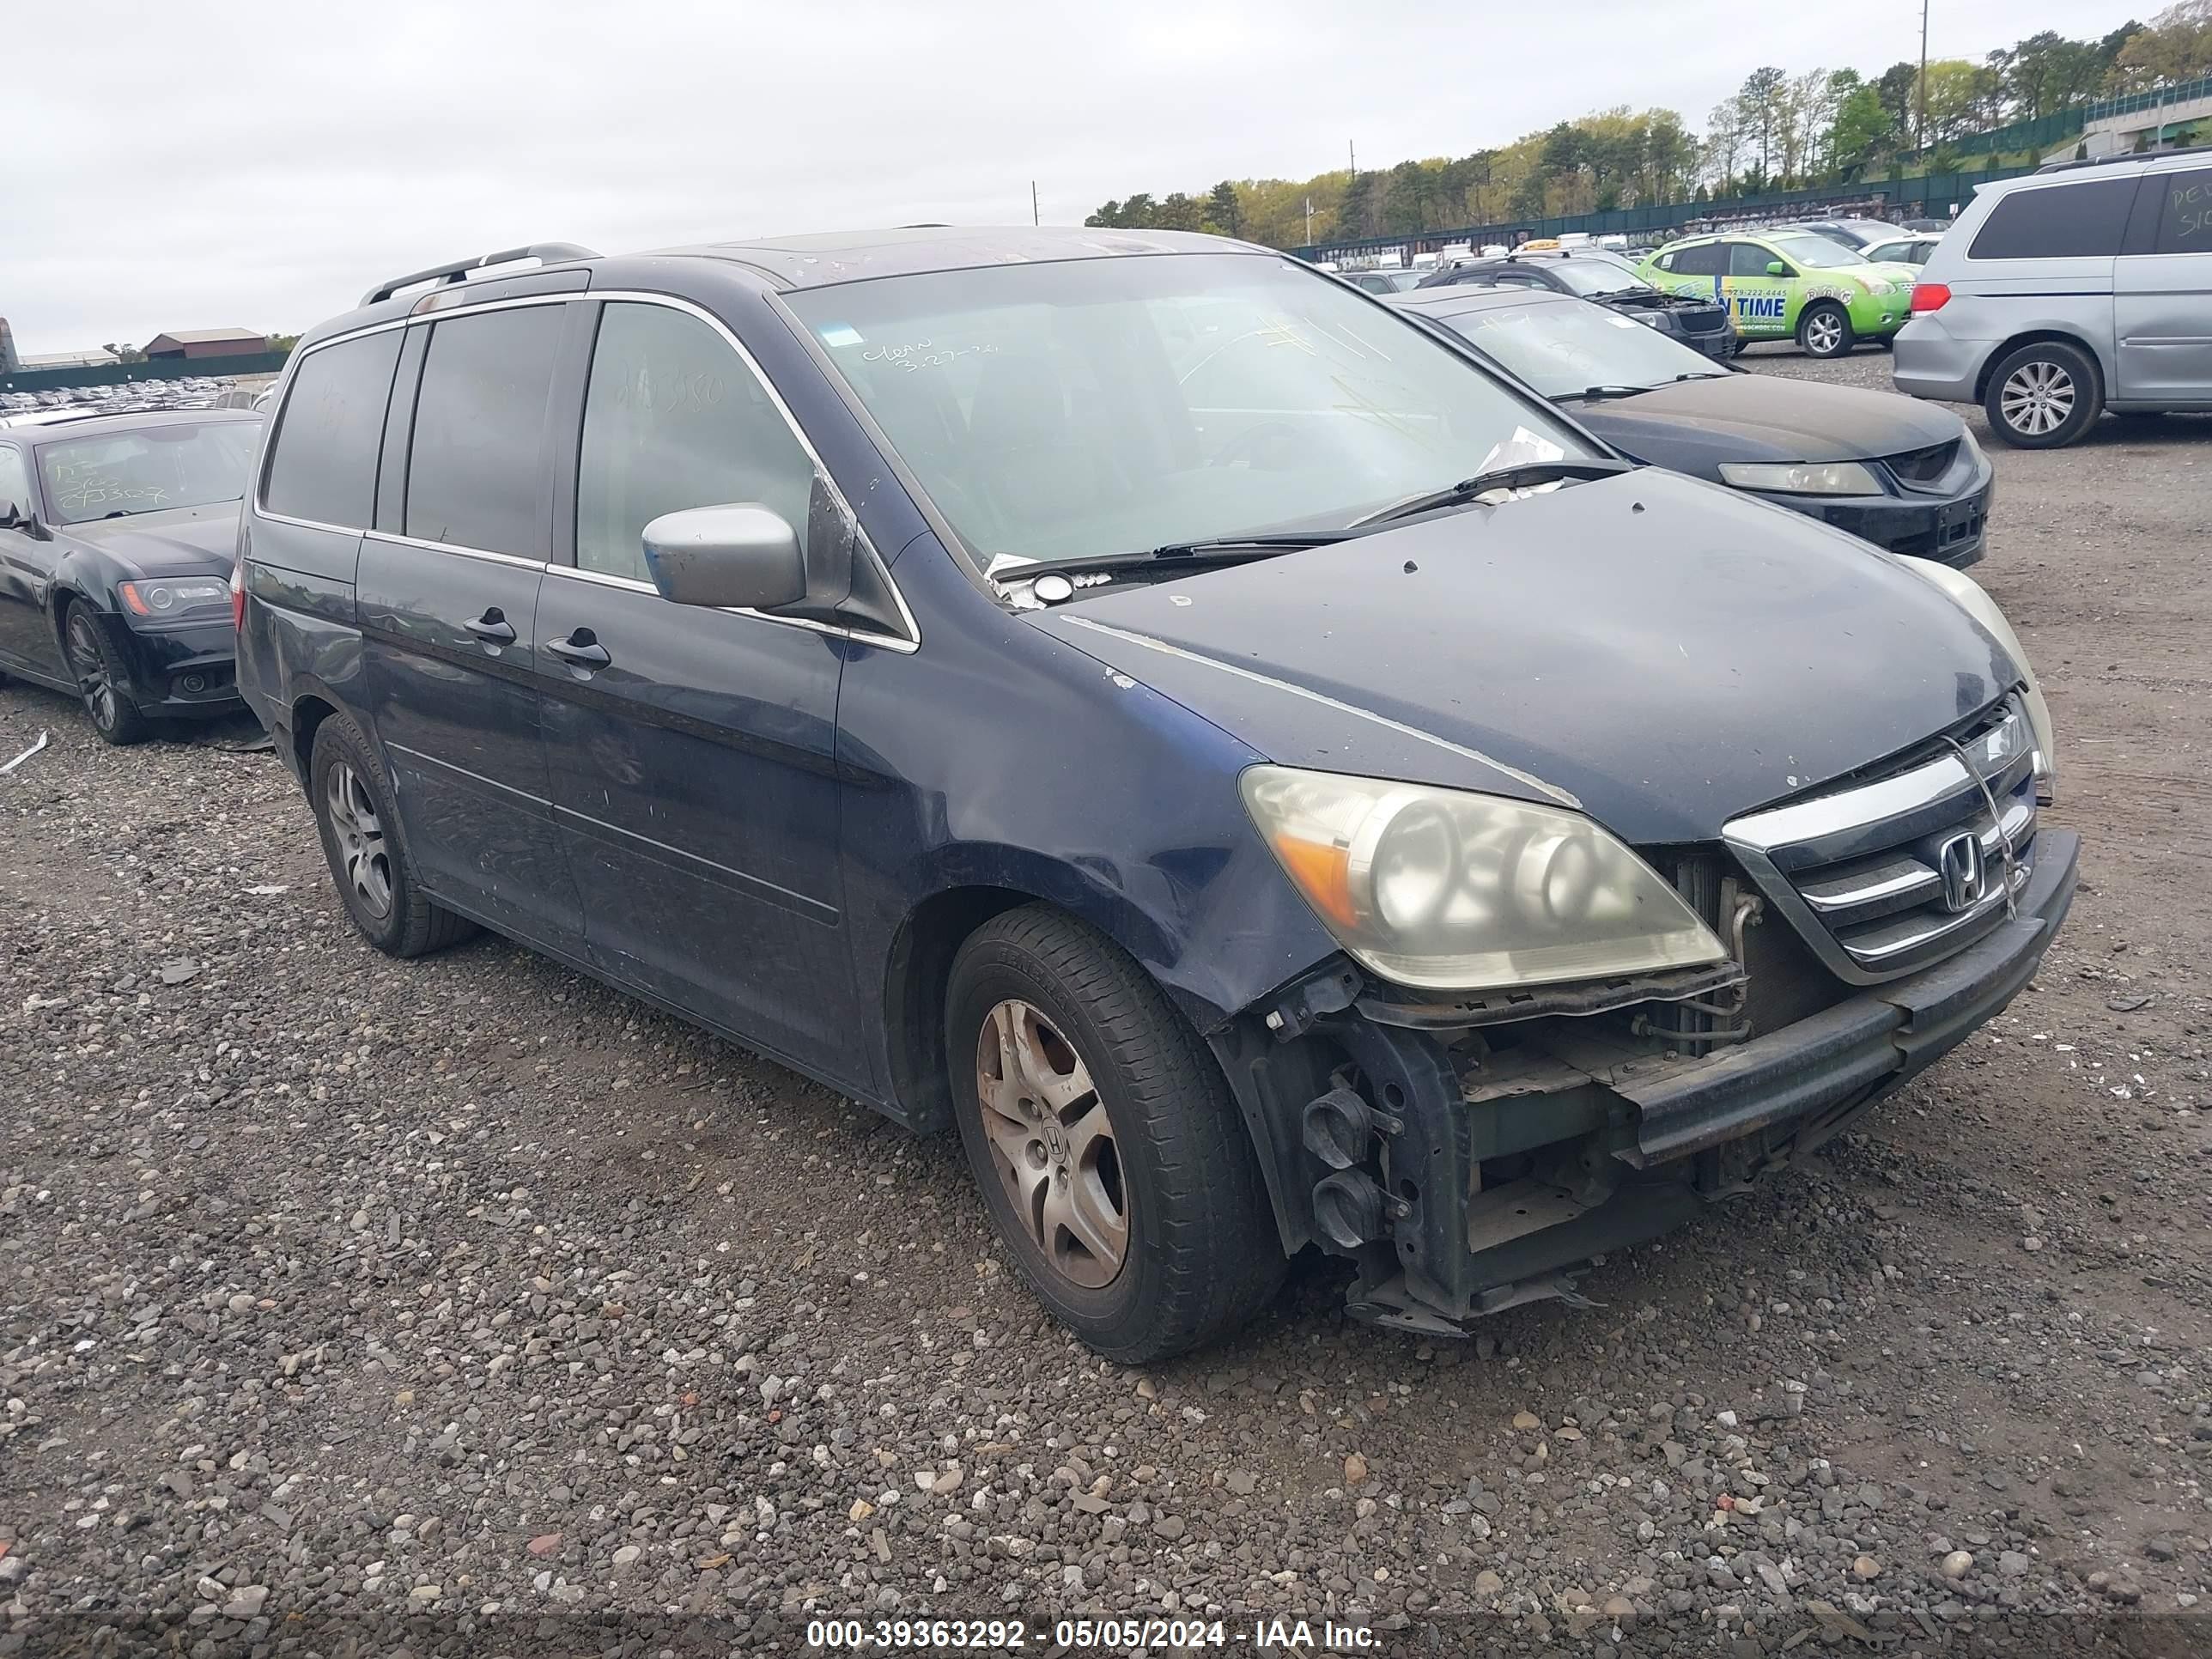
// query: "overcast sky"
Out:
[184,164]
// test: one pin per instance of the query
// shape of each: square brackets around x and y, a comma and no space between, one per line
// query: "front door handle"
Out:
[493,627]
[581,649]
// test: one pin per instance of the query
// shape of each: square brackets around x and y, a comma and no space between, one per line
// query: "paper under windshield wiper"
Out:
[1522,477]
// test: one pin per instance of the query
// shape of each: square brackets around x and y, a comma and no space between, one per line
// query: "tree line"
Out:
[1777,131]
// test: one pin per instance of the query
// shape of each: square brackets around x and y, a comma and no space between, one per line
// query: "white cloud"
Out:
[177,164]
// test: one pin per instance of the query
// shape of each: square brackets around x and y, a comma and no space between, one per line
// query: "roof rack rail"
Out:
[545,252]
[2151,154]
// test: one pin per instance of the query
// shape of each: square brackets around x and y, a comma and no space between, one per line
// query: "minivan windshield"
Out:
[1565,348]
[150,469]
[1083,408]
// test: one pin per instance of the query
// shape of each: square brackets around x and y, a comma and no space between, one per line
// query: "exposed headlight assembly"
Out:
[1802,478]
[1441,889]
[173,596]
[1976,604]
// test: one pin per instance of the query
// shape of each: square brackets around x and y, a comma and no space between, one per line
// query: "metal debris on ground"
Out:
[26,755]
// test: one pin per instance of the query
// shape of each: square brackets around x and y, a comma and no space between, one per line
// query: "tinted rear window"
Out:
[1711,260]
[322,460]
[476,470]
[2063,222]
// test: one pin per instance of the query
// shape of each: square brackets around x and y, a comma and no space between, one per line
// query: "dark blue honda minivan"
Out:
[1266,776]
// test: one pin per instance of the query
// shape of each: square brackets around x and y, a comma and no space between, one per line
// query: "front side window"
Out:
[675,419]
[150,469]
[2061,222]
[1086,407]
[322,459]
[476,468]
[1565,347]
[14,482]
[1749,260]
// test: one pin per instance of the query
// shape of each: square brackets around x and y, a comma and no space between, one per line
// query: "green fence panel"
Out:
[167,369]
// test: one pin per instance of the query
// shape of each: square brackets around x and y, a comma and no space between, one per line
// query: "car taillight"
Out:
[1929,296]
[238,594]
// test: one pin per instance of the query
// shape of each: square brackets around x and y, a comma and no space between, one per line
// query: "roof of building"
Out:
[202,336]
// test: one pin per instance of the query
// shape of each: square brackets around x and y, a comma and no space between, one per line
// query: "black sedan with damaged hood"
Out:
[117,536]
[1905,475]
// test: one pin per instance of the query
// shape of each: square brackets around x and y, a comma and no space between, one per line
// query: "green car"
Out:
[1784,285]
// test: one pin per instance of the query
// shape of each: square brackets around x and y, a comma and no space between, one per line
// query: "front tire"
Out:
[103,682]
[367,857]
[2044,396]
[1824,330]
[1111,1159]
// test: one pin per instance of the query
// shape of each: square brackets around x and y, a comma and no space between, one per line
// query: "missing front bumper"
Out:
[1491,1186]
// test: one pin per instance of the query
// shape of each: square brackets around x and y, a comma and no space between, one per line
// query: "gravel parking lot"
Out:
[456,1303]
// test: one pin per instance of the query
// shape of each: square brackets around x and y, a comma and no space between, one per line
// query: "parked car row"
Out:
[1268,766]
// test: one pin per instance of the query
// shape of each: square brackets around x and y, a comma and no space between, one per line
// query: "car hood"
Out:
[184,541]
[1662,652]
[1694,425]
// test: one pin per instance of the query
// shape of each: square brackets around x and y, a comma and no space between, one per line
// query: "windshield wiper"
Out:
[1216,549]
[1703,375]
[1598,393]
[1519,477]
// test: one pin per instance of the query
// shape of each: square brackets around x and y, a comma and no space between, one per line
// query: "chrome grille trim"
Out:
[1856,870]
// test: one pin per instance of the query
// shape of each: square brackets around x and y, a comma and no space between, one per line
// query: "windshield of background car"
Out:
[1818,252]
[1599,276]
[150,470]
[1084,407]
[1566,347]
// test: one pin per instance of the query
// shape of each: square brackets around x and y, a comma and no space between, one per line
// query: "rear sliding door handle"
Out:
[492,626]
[581,649]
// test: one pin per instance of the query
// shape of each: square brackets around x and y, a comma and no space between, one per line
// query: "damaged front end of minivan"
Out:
[1469,1152]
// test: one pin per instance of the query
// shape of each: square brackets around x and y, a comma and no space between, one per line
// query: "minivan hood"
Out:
[1662,653]
[1694,425]
[184,541]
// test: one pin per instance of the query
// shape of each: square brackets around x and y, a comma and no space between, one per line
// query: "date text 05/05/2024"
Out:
[1082,1635]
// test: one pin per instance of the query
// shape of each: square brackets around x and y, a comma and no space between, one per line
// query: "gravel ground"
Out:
[464,1303]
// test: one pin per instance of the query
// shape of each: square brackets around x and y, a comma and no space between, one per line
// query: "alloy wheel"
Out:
[362,845]
[1052,1143]
[2038,398]
[1824,332]
[88,663]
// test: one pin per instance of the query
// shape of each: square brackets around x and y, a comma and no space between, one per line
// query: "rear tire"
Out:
[367,855]
[1112,1160]
[1825,330]
[103,682]
[2044,396]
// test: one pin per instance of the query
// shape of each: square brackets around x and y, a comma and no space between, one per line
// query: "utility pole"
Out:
[1309,222]
[1920,122]
[1352,150]
[1034,217]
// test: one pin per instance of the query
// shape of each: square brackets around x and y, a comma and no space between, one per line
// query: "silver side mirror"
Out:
[741,555]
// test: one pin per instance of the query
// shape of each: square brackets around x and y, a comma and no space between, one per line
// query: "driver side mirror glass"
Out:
[742,556]
[1776,268]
